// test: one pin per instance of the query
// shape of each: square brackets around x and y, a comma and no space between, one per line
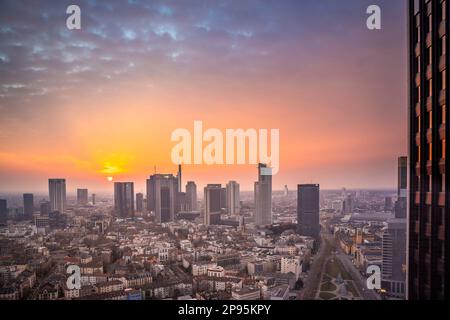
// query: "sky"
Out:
[103,101]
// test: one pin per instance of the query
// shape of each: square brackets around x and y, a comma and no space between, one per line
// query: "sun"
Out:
[110,179]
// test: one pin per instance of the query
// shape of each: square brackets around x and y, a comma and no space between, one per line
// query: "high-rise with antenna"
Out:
[180,188]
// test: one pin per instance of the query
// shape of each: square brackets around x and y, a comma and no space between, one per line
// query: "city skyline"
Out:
[112,90]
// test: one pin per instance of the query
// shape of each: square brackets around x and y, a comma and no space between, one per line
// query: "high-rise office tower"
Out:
[286,190]
[57,194]
[393,267]
[212,195]
[44,208]
[401,203]
[124,199]
[348,204]
[429,130]
[93,199]
[3,211]
[191,196]
[308,210]
[139,202]
[388,204]
[82,197]
[263,196]
[28,205]
[162,192]
[233,199]
[223,198]
[394,258]
[180,187]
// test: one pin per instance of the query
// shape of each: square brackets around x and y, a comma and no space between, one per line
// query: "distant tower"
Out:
[3,211]
[180,188]
[263,196]
[28,205]
[233,199]
[286,190]
[82,197]
[191,196]
[93,199]
[57,194]
[308,210]
[393,275]
[400,205]
[212,204]
[124,199]
[139,202]
[162,192]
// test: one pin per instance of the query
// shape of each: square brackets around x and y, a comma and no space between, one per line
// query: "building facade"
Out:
[57,194]
[308,210]
[124,199]
[263,196]
[429,215]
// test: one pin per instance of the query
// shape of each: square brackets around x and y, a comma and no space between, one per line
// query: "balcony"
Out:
[418,139]
[417,79]
[417,49]
[442,97]
[429,135]
[418,109]
[442,65]
[442,28]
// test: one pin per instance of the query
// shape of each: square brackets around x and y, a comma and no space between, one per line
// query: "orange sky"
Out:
[89,105]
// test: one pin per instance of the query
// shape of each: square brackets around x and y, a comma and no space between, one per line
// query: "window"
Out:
[430,119]
[443,114]
[443,80]
[444,10]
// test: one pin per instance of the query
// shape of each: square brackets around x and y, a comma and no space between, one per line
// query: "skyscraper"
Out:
[429,128]
[212,204]
[57,194]
[3,211]
[82,197]
[44,208]
[394,258]
[263,196]
[223,198]
[124,199]
[162,192]
[139,202]
[401,204]
[28,205]
[393,273]
[180,187]
[233,199]
[308,210]
[191,196]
